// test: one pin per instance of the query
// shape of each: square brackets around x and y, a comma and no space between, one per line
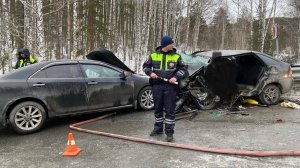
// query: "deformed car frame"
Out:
[230,74]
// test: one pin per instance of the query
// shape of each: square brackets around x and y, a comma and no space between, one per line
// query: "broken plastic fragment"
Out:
[290,105]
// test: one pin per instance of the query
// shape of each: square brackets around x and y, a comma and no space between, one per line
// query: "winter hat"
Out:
[25,51]
[166,40]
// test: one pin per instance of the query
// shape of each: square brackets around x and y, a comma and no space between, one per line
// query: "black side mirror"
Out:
[125,74]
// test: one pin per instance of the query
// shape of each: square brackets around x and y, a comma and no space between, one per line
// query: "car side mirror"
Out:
[125,74]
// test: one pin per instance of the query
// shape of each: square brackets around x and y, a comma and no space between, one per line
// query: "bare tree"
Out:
[251,25]
[56,29]
[263,20]
[5,37]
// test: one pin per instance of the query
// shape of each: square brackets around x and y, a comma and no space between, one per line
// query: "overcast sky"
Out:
[282,8]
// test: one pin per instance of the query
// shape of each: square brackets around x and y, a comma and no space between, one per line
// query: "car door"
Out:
[62,86]
[106,88]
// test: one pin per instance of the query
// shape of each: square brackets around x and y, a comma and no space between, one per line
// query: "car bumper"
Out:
[2,121]
[286,85]
[3,117]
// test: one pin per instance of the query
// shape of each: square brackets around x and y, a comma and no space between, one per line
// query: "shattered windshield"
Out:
[194,60]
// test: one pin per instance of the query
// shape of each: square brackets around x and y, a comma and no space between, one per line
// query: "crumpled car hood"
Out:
[107,56]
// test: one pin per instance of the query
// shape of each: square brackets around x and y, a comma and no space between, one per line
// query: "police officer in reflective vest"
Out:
[24,58]
[164,63]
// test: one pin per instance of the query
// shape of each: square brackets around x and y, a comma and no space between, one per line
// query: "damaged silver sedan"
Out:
[226,75]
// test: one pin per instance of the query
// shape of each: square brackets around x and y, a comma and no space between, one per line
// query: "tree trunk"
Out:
[57,39]
[251,25]
[75,25]
[266,25]
[263,10]
[40,31]
[299,40]
[90,25]
[186,41]
[69,30]
[196,32]
[223,32]
[19,22]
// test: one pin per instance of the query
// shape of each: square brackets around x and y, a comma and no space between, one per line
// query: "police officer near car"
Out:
[164,63]
[24,58]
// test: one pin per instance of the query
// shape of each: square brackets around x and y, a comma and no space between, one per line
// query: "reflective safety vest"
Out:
[24,62]
[167,63]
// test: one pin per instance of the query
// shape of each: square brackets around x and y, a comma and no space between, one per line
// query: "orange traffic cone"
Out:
[71,149]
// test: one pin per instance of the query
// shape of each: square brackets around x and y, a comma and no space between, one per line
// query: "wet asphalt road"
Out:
[260,130]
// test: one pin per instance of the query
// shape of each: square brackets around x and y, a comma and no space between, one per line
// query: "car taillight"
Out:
[289,73]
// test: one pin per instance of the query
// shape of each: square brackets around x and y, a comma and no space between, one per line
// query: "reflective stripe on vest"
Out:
[21,63]
[170,64]
[31,59]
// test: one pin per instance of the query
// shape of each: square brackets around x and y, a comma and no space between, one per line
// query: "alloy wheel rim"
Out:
[271,95]
[207,102]
[147,99]
[28,117]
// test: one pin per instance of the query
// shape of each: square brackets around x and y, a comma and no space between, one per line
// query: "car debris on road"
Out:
[290,105]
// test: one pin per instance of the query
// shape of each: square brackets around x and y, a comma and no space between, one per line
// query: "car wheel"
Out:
[208,104]
[203,99]
[145,98]
[270,95]
[27,117]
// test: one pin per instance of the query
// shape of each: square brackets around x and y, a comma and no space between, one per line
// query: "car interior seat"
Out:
[220,76]
[249,72]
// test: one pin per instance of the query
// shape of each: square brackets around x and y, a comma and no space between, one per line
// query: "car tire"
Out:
[203,99]
[270,95]
[208,104]
[145,98]
[27,117]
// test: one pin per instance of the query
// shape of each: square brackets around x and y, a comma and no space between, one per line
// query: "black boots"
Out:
[155,133]
[170,138]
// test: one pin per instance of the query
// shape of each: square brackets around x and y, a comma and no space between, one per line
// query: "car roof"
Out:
[267,59]
[25,72]
[209,53]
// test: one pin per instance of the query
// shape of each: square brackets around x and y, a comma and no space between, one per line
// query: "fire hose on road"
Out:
[183,146]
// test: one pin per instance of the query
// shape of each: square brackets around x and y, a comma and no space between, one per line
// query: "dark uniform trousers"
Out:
[164,96]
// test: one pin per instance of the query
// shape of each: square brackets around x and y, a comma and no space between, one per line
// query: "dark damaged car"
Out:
[32,94]
[227,75]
